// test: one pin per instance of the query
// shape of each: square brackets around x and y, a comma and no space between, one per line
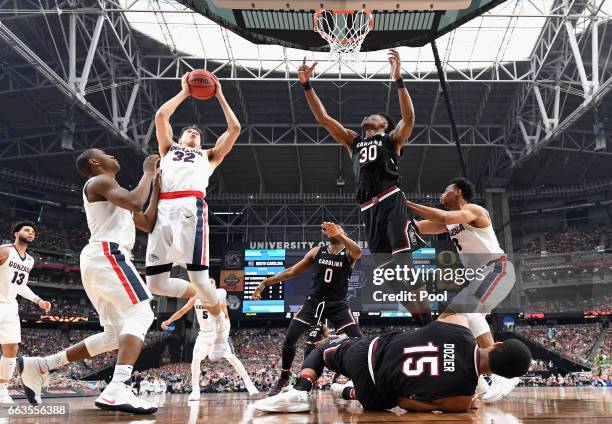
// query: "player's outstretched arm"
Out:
[426,226]
[163,129]
[287,274]
[179,314]
[227,140]
[145,221]
[404,127]
[465,215]
[107,188]
[342,135]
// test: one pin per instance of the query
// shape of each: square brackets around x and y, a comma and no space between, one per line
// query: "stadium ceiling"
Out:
[528,81]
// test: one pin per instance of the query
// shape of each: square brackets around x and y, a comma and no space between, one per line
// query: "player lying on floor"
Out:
[435,368]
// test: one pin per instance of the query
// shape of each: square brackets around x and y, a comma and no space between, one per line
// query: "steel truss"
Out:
[542,112]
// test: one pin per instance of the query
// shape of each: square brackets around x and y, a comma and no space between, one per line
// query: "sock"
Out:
[304,384]
[122,373]
[195,375]
[56,360]
[7,367]
[285,374]
[348,393]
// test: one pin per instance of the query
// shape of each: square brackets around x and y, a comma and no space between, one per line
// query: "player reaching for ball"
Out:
[376,155]
[181,232]
[332,266]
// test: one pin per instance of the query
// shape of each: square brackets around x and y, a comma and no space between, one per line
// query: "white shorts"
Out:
[10,325]
[181,232]
[484,294]
[111,281]
[204,345]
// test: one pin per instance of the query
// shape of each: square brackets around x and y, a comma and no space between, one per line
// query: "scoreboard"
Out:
[259,265]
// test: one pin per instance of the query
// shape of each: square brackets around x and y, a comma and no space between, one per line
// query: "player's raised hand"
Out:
[150,164]
[396,64]
[157,182]
[219,90]
[184,85]
[331,229]
[44,305]
[164,325]
[305,71]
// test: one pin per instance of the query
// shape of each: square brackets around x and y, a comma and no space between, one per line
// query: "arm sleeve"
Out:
[24,291]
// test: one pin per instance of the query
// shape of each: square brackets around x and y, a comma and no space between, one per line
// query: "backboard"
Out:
[294,27]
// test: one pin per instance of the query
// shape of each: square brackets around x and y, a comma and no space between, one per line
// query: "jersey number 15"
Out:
[414,368]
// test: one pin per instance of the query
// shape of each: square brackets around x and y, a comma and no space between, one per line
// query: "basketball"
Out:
[201,84]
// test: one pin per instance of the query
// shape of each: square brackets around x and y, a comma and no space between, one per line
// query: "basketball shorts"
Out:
[350,358]
[10,325]
[314,311]
[180,235]
[111,281]
[487,290]
[388,223]
[204,344]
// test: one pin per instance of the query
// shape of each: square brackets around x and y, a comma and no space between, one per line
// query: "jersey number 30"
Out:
[368,154]
[414,368]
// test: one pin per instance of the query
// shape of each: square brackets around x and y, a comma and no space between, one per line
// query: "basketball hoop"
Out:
[344,30]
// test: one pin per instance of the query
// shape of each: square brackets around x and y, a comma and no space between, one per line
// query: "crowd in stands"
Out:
[572,341]
[598,378]
[572,239]
[66,307]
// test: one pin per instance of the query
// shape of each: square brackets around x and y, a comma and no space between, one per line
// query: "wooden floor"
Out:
[524,405]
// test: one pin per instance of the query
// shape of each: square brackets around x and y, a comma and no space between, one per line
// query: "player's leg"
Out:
[297,327]
[342,318]
[231,357]
[201,349]
[160,283]
[8,363]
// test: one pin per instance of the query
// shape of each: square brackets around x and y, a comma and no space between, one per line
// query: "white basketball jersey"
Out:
[476,246]
[108,222]
[14,273]
[185,169]
[206,324]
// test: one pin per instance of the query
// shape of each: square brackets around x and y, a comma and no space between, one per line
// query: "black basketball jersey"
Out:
[375,165]
[330,275]
[433,362]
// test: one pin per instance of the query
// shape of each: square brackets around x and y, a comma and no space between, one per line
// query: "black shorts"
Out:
[350,358]
[388,225]
[336,311]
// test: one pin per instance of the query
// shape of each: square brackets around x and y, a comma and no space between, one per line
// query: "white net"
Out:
[344,30]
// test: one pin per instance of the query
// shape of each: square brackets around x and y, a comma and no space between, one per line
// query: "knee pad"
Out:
[478,324]
[206,291]
[162,285]
[103,342]
[7,367]
[139,318]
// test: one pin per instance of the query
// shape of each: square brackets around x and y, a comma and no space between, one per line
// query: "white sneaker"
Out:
[500,387]
[251,389]
[5,398]
[119,397]
[482,387]
[337,389]
[194,396]
[34,376]
[287,401]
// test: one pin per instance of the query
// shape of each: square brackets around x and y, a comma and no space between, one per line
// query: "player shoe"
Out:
[118,397]
[34,376]
[337,389]
[482,387]
[287,401]
[5,398]
[194,396]
[251,389]
[281,384]
[500,387]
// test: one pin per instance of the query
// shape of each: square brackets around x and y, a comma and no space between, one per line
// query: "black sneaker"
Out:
[278,387]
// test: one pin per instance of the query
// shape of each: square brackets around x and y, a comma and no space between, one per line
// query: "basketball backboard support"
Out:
[388,5]
[295,28]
